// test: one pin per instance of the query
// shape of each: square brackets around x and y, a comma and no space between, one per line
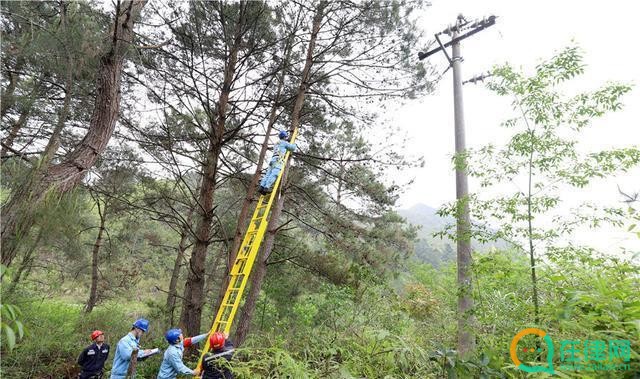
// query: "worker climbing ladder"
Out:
[241,269]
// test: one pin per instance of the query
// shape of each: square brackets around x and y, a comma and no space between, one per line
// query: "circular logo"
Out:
[522,366]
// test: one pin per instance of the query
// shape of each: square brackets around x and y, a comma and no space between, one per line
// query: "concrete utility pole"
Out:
[466,339]
[466,319]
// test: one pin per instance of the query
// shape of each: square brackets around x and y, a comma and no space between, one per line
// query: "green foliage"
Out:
[11,327]
[269,363]
[52,340]
[585,296]
[542,156]
[58,331]
[588,301]
[341,299]
[419,301]
[328,331]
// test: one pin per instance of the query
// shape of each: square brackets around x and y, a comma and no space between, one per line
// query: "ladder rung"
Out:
[246,250]
[241,263]
[243,255]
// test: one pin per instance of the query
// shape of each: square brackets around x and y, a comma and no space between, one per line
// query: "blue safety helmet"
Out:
[283,134]
[142,324]
[173,336]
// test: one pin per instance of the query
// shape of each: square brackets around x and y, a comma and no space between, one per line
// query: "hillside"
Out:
[430,249]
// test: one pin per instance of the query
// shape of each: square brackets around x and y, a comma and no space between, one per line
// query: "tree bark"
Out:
[72,170]
[34,178]
[241,225]
[534,280]
[7,99]
[133,364]
[257,278]
[304,80]
[93,292]
[54,141]
[7,143]
[25,265]
[258,274]
[194,288]
[175,273]
[18,214]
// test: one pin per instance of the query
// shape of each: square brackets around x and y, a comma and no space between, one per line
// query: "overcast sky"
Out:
[525,33]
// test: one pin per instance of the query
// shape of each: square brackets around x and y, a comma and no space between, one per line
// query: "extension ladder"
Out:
[241,269]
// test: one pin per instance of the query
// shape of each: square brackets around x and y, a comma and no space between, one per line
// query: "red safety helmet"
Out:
[216,340]
[95,334]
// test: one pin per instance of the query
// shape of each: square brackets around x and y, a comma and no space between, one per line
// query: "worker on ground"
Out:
[125,347]
[221,348]
[172,363]
[276,163]
[92,358]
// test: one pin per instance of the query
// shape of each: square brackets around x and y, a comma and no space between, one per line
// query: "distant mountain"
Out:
[428,249]
[435,250]
[425,216]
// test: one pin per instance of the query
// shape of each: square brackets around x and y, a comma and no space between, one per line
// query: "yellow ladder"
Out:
[245,258]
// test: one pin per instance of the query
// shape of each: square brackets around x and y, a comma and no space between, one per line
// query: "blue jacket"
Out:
[123,355]
[172,363]
[280,149]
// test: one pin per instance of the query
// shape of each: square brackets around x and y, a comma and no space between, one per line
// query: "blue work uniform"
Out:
[92,360]
[172,363]
[121,359]
[276,163]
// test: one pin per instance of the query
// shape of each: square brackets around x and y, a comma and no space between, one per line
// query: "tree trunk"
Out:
[216,274]
[194,288]
[72,170]
[534,280]
[18,214]
[93,293]
[25,265]
[260,271]
[7,99]
[7,143]
[54,141]
[175,273]
[133,364]
[34,178]
[241,225]
[304,80]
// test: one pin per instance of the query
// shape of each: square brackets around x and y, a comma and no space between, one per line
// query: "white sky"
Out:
[525,33]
